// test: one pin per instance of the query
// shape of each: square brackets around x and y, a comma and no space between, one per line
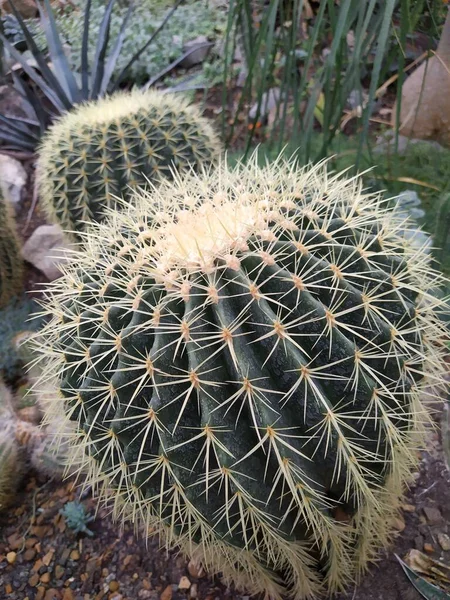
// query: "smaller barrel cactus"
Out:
[11,264]
[102,150]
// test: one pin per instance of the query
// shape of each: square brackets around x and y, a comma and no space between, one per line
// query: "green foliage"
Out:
[243,355]
[346,50]
[77,518]
[192,19]
[11,263]
[14,318]
[52,89]
[105,150]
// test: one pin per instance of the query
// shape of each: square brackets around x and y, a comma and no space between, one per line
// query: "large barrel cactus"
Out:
[102,150]
[243,354]
[11,263]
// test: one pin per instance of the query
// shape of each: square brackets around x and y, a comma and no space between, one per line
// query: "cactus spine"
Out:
[11,264]
[243,354]
[105,149]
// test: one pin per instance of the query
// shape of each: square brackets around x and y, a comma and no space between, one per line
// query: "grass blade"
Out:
[98,68]
[85,51]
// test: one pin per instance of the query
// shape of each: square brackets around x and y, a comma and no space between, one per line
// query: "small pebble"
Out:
[444,541]
[75,555]
[45,578]
[428,548]
[114,586]
[29,554]
[34,580]
[184,584]
[11,558]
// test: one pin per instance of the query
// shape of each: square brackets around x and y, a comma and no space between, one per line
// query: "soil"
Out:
[51,562]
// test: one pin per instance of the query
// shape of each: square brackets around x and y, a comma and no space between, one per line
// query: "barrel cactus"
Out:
[104,149]
[243,352]
[11,264]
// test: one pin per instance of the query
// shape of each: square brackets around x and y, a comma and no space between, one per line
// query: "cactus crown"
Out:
[243,353]
[11,264]
[104,149]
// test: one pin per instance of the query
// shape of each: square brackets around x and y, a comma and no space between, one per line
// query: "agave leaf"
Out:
[98,67]
[174,63]
[114,55]
[48,80]
[426,589]
[19,126]
[58,57]
[47,89]
[84,52]
[34,102]
[142,49]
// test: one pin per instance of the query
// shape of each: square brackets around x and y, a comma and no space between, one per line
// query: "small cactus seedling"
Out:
[103,150]
[243,354]
[11,263]
[77,518]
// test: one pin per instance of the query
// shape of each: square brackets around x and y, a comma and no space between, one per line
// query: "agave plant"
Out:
[52,88]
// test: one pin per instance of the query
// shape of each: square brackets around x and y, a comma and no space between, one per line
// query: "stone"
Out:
[12,179]
[11,558]
[444,541]
[195,569]
[408,508]
[47,249]
[433,515]
[269,102]
[34,580]
[114,586]
[418,542]
[59,571]
[199,49]
[428,548]
[398,523]
[184,584]
[26,8]
[75,555]
[29,554]
[45,577]
[167,593]
[193,591]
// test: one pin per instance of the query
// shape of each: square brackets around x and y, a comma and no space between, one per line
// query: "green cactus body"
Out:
[11,263]
[12,462]
[245,372]
[103,150]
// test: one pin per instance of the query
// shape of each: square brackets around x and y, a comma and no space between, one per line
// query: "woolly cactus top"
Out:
[243,353]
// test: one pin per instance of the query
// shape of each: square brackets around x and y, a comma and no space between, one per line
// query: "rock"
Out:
[184,584]
[195,569]
[398,523]
[193,592]
[167,593]
[428,548]
[433,515]
[418,542]
[29,554]
[46,249]
[11,558]
[59,572]
[75,555]
[199,49]
[114,586]
[408,508]
[26,8]
[425,103]
[444,541]
[45,577]
[269,102]
[12,179]
[34,580]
